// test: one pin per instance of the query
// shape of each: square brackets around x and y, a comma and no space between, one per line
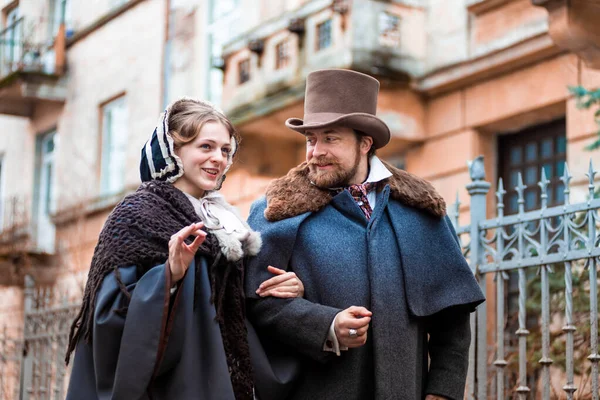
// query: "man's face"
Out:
[333,156]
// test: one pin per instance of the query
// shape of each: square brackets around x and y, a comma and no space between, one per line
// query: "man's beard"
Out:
[337,177]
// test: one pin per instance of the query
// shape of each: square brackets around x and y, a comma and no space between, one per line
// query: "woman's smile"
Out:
[211,172]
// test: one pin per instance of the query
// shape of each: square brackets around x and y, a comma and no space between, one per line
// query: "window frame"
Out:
[7,11]
[11,52]
[45,190]
[555,130]
[106,186]
[214,76]
[282,54]
[58,10]
[324,42]
[244,74]
[389,32]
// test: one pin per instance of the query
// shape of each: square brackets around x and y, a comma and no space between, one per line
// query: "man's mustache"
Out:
[320,161]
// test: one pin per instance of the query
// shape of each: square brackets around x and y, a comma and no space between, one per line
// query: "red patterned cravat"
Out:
[359,193]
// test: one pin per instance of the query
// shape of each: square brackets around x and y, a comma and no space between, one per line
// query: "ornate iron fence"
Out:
[563,237]
[32,366]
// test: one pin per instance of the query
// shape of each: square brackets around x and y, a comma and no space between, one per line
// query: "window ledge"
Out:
[100,22]
[481,6]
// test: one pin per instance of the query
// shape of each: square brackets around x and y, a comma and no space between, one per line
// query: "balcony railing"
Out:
[19,228]
[32,61]
[15,220]
[29,46]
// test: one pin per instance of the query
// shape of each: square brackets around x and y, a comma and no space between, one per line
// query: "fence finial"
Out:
[543,184]
[520,191]
[566,179]
[477,169]
[591,174]
[500,195]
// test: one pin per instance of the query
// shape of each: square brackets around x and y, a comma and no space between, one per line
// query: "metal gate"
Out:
[552,256]
[32,366]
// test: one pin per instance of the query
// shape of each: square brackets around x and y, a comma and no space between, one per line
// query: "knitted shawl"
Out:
[137,232]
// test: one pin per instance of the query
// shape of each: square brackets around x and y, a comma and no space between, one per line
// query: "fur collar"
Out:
[293,194]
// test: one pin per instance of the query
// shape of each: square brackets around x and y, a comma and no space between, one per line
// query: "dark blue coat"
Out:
[124,354]
[405,265]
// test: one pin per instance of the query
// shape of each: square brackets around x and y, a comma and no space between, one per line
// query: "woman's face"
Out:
[204,159]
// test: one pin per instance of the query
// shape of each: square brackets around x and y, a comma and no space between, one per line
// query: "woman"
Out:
[163,309]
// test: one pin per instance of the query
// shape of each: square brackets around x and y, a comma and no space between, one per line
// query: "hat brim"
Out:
[366,123]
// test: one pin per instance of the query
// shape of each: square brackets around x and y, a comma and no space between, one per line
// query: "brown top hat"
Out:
[340,97]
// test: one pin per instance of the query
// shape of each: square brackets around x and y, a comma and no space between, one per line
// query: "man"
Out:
[385,282]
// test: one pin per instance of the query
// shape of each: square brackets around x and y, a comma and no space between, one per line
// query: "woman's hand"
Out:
[284,285]
[182,254]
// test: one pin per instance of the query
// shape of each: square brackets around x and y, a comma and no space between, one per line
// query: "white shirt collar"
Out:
[377,171]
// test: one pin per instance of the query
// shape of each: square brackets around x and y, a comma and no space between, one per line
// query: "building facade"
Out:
[82,84]
[72,123]
[458,79]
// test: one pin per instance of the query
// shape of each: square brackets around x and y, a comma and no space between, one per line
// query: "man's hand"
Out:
[356,318]
[434,397]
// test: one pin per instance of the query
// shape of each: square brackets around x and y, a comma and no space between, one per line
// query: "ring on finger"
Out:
[352,333]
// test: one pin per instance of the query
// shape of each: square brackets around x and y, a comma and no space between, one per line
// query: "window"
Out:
[11,15]
[244,71]
[60,11]
[324,35]
[44,192]
[389,29]
[114,146]
[11,41]
[282,54]
[223,24]
[215,73]
[527,152]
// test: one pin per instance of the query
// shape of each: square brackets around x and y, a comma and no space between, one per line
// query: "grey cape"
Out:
[405,265]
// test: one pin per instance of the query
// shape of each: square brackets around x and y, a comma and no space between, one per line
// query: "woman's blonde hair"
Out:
[188,116]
